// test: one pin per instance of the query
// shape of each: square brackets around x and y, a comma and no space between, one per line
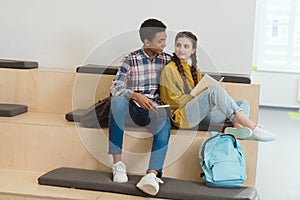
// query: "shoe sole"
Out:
[149,189]
[120,181]
[263,139]
[239,133]
[125,180]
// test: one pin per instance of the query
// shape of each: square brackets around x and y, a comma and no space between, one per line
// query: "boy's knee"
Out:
[118,102]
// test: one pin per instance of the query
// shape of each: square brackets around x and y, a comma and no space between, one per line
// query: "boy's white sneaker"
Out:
[262,135]
[119,172]
[149,184]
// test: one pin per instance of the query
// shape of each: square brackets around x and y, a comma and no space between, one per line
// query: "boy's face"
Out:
[157,44]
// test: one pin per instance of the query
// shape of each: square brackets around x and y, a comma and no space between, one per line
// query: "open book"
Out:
[162,111]
[206,82]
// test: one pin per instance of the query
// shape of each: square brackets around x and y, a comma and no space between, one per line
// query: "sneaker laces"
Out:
[158,180]
[260,126]
[119,168]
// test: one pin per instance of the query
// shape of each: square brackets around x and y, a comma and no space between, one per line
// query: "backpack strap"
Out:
[234,140]
[213,133]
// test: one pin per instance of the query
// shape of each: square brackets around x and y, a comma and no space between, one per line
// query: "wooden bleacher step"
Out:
[23,185]
[42,139]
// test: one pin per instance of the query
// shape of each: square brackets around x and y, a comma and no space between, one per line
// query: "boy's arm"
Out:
[119,85]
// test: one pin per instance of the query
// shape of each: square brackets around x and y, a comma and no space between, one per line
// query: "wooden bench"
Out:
[182,160]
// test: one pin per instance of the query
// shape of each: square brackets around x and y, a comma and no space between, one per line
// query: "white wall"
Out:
[278,89]
[62,33]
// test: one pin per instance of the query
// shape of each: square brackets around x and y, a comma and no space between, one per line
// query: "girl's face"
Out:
[184,48]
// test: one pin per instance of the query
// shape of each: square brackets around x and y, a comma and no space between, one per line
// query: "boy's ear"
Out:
[147,42]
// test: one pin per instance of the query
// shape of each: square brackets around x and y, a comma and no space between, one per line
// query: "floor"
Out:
[278,167]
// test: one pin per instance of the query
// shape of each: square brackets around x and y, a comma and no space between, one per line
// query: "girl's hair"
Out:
[176,60]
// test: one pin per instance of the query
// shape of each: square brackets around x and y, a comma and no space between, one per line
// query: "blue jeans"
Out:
[214,105]
[159,127]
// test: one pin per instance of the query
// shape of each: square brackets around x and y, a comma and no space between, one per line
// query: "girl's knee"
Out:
[217,88]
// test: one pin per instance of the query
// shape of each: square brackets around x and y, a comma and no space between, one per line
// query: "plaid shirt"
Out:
[139,74]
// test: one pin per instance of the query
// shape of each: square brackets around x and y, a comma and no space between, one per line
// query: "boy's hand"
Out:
[143,101]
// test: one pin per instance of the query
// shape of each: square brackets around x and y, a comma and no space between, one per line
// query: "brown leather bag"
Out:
[97,115]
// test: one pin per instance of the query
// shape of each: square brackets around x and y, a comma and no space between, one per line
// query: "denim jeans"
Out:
[214,105]
[159,127]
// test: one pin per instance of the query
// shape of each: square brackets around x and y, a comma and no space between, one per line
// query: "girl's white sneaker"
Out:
[260,134]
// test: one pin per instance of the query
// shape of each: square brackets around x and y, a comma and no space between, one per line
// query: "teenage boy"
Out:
[135,93]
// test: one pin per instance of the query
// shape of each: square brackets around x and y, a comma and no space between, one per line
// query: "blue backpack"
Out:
[222,161]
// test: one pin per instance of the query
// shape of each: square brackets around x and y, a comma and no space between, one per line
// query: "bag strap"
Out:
[202,148]
[234,139]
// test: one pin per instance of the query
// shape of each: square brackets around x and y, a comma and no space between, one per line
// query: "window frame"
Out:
[290,65]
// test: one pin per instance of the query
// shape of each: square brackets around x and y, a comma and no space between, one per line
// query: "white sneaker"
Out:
[119,172]
[239,133]
[262,135]
[149,184]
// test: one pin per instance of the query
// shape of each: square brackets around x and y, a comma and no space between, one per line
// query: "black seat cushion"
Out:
[18,64]
[171,189]
[75,115]
[10,110]
[97,69]
[112,70]
[220,127]
[229,77]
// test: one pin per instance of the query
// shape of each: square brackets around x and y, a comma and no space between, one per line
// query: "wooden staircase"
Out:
[41,139]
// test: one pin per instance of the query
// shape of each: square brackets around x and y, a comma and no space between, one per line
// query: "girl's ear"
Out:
[194,50]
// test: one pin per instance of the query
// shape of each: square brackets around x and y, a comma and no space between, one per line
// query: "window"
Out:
[277,35]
